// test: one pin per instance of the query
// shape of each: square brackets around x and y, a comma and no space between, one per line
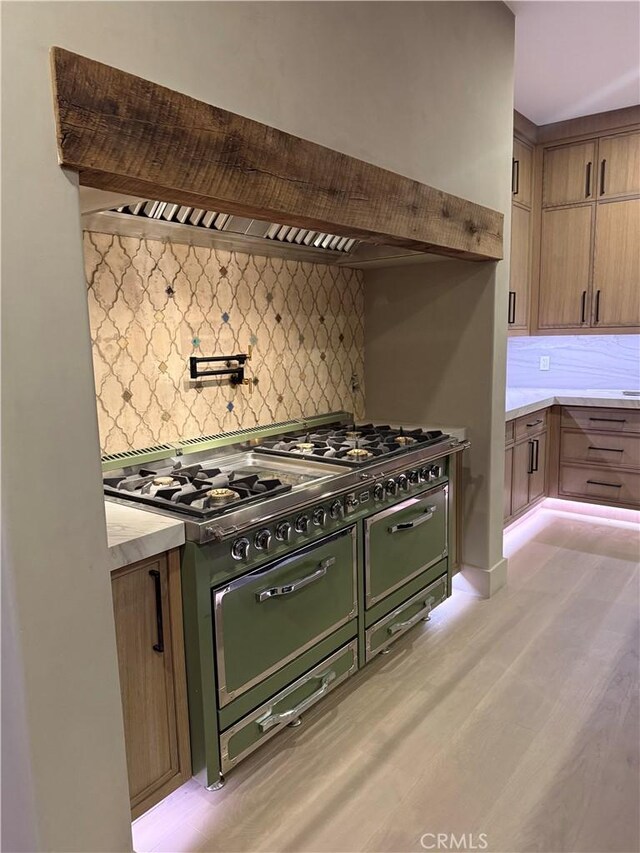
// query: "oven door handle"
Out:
[425,613]
[270,720]
[409,525]
[300,583]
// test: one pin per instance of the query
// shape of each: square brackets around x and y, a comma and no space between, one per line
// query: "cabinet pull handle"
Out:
[511,314]
[600,483]
[424,613]
[583,306]
[269,720]
[515,176]
[608,449]
[530,467]
[409,525]
[610,420]
[537,455]
[159,646]
[535,423]
[300,583]
[597,306]
[587,188]
[603,167]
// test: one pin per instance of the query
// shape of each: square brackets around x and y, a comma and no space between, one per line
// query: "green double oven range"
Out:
[311,547]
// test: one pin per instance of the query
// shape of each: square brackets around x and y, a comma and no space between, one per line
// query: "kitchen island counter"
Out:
[135,534]
[523,401]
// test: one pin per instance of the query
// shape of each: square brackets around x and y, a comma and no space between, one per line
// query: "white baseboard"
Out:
[482,582]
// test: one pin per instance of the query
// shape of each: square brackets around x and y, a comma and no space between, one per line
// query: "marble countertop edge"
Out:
[524,401]
[135,534]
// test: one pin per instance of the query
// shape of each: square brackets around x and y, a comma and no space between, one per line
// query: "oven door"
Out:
[404,540]
[267,618]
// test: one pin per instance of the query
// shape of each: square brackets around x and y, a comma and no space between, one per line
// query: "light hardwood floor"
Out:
[516,717]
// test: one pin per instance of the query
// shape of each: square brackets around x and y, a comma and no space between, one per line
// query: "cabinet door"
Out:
[568,175]
[521,182]
[520,268]
[508,472]
[619,165]
[151,680]
[537,467]
[616,268]
[565,265]
[520,480]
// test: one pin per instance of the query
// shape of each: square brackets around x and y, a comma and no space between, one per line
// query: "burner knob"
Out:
[378,492]
[302,523]
[403,482]
[424,474]
[240,549]
[262,539]
[414,476]
[283,531]
[435,472]
[336,509]
[319,516]
[391,487]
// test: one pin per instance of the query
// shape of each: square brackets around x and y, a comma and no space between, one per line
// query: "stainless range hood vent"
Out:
[240,226]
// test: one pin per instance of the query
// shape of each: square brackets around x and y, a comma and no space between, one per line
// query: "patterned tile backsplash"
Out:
[153,304]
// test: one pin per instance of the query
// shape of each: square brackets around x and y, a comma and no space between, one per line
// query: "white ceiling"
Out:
[575,58]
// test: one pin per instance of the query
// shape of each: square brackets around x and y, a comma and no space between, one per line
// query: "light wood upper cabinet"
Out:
[522,176]
[619,165]
[616,270]
[147,608]
[568,175]
[520,268]
[565,267]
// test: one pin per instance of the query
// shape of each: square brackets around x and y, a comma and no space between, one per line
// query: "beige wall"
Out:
[406,86]
[447,368]
[304,321]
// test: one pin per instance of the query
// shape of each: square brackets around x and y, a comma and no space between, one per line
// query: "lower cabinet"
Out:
[594,456]
[600,455]
[525,463]
[147,606]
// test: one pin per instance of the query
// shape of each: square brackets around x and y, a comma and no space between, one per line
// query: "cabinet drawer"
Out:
[606,485]
[531,424]
[608,420]
[597,449]
[509,432]
[400,620]
[268,617]
[404,540]
[286,706]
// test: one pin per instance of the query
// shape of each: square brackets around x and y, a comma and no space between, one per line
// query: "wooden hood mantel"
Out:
[126,134]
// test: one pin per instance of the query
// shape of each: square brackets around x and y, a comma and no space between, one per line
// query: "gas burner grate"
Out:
[186,488]
[353,445]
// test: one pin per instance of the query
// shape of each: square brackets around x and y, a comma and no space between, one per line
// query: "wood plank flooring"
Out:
[515,717]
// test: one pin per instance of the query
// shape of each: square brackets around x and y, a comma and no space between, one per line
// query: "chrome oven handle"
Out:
[270,720]
[300,583]
[421,614]
[409,525]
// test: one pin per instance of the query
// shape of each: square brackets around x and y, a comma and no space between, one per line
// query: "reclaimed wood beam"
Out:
[126,134]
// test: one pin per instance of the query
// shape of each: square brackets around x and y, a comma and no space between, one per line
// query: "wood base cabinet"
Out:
[600,456]
[525,463]
[147,606]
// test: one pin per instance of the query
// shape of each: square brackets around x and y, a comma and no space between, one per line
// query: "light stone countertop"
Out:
[523,401]
[134,534]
